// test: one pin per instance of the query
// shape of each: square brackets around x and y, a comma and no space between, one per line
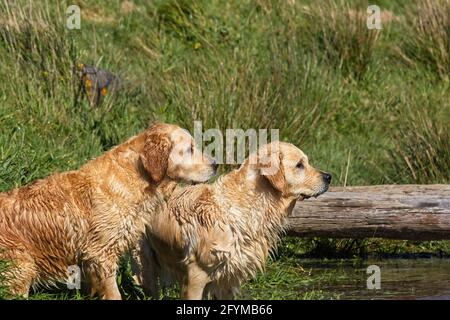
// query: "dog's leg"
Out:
[227,293]
[102,279]
[145,268]
[224,290]
[194,283]
[109,290]
[105,288]
[20,286]
[20,275]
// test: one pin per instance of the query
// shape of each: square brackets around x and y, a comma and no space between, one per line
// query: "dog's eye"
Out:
[300,165]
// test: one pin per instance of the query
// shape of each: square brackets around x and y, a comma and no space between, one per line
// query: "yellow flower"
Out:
[197,45]
[104,91]
[87,83]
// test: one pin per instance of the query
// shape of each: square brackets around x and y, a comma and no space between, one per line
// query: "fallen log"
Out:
[409,212]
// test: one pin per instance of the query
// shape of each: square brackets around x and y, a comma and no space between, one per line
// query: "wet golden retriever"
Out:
[91,216]
[211,238]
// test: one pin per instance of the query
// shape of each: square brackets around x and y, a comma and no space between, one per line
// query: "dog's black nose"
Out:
[326,177]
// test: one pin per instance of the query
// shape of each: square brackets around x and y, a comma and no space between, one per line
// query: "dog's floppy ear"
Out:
[271,167]
[155,157]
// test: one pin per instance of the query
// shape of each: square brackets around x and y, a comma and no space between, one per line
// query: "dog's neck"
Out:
[264,207]
[127,179]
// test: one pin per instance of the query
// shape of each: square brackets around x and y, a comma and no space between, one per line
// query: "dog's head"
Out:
[287,170]
[169,152]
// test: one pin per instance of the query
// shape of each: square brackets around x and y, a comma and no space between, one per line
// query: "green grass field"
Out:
[368,106]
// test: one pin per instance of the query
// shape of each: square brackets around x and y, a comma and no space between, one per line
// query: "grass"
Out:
[368,106]
[338,29]
[286,279]
[431,44]
[4,294]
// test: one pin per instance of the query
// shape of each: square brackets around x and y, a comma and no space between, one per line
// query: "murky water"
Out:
[399,278]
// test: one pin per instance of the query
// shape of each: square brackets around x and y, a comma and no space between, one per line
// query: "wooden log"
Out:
[410,212]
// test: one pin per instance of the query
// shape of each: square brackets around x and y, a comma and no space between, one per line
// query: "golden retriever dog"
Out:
[213,237]
[91,216]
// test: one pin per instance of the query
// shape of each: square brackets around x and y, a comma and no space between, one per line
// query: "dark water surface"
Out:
[399,278]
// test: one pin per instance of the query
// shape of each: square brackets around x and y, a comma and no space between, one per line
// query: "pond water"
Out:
[399,278]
